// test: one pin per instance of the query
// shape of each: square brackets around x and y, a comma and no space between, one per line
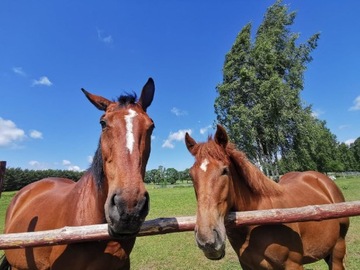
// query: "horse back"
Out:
[311,187]
[34,201]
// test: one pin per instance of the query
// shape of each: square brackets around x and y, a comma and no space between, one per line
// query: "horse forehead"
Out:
[204,164]
[127,112]
[129,118]
[205,161]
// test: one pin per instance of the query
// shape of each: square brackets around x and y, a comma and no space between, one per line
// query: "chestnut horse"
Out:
[224,180]
[112,191]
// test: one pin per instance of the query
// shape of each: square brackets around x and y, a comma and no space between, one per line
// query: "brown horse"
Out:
[224,180]
[112,191]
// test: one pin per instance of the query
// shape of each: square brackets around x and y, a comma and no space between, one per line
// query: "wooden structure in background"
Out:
[2,174]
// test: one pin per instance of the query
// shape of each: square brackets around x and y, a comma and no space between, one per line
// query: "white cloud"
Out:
[317,113]
[356,106]
[34,163]
[349,141]
[103,37]
[74,168]
[66,162]
[36,134]
[168,144]
[69,166]
[176,136]
[9,133]
[343,127]
[19,71]
[205,129]
[178,112]
[90,159]
[42,81]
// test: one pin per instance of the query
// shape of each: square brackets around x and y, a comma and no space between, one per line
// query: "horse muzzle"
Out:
[125,217]
[212,243]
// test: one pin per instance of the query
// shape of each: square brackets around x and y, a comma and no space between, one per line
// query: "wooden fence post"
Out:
[2,173]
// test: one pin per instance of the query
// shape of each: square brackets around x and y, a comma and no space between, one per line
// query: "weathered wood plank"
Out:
[157,226]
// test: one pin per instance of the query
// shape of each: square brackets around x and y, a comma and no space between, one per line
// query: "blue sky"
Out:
[50,49]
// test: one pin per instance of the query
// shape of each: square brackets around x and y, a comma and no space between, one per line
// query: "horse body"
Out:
[59,196]
[229,182]
[111,191]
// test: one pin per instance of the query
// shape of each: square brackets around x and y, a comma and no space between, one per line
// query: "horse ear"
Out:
[221,136]
[99,102]
[147,94]
[190,143]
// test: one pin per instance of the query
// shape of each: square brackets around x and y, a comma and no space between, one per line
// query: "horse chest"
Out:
[92,256]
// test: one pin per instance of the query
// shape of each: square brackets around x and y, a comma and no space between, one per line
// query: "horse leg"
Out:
[336,259]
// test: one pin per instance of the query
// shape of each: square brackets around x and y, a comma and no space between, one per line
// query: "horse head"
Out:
[121,159]
[213,187]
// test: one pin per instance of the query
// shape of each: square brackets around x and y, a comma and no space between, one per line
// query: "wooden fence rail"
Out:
[68,235]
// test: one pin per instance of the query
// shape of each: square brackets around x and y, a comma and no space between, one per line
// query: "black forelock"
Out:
[127,99]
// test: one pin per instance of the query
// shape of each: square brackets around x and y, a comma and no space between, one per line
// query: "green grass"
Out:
[179,250]
[4,202]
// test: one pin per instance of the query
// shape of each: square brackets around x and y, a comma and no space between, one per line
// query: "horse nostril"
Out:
[134,207]
[115,199]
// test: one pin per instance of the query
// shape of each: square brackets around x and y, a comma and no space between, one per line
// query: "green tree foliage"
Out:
[347,157]
[16,178]
[152,176]
[185,175]
[164,176]
[259,99]
[171,175]
[314,148]
[355,149]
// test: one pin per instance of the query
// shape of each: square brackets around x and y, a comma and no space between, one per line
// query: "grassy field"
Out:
[179,250]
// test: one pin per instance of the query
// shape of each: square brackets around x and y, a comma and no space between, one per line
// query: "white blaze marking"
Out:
[129,130]
[204,164]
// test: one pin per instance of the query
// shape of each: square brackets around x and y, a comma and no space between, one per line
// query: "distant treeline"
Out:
[16,178]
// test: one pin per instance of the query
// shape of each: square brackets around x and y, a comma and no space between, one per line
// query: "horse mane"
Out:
[127,99]
[253,177]
[96,167]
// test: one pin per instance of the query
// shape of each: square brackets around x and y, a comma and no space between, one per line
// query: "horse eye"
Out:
[103,124]
[225,171]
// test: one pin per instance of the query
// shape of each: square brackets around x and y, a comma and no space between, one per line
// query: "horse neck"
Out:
[90,199]
[252,188]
